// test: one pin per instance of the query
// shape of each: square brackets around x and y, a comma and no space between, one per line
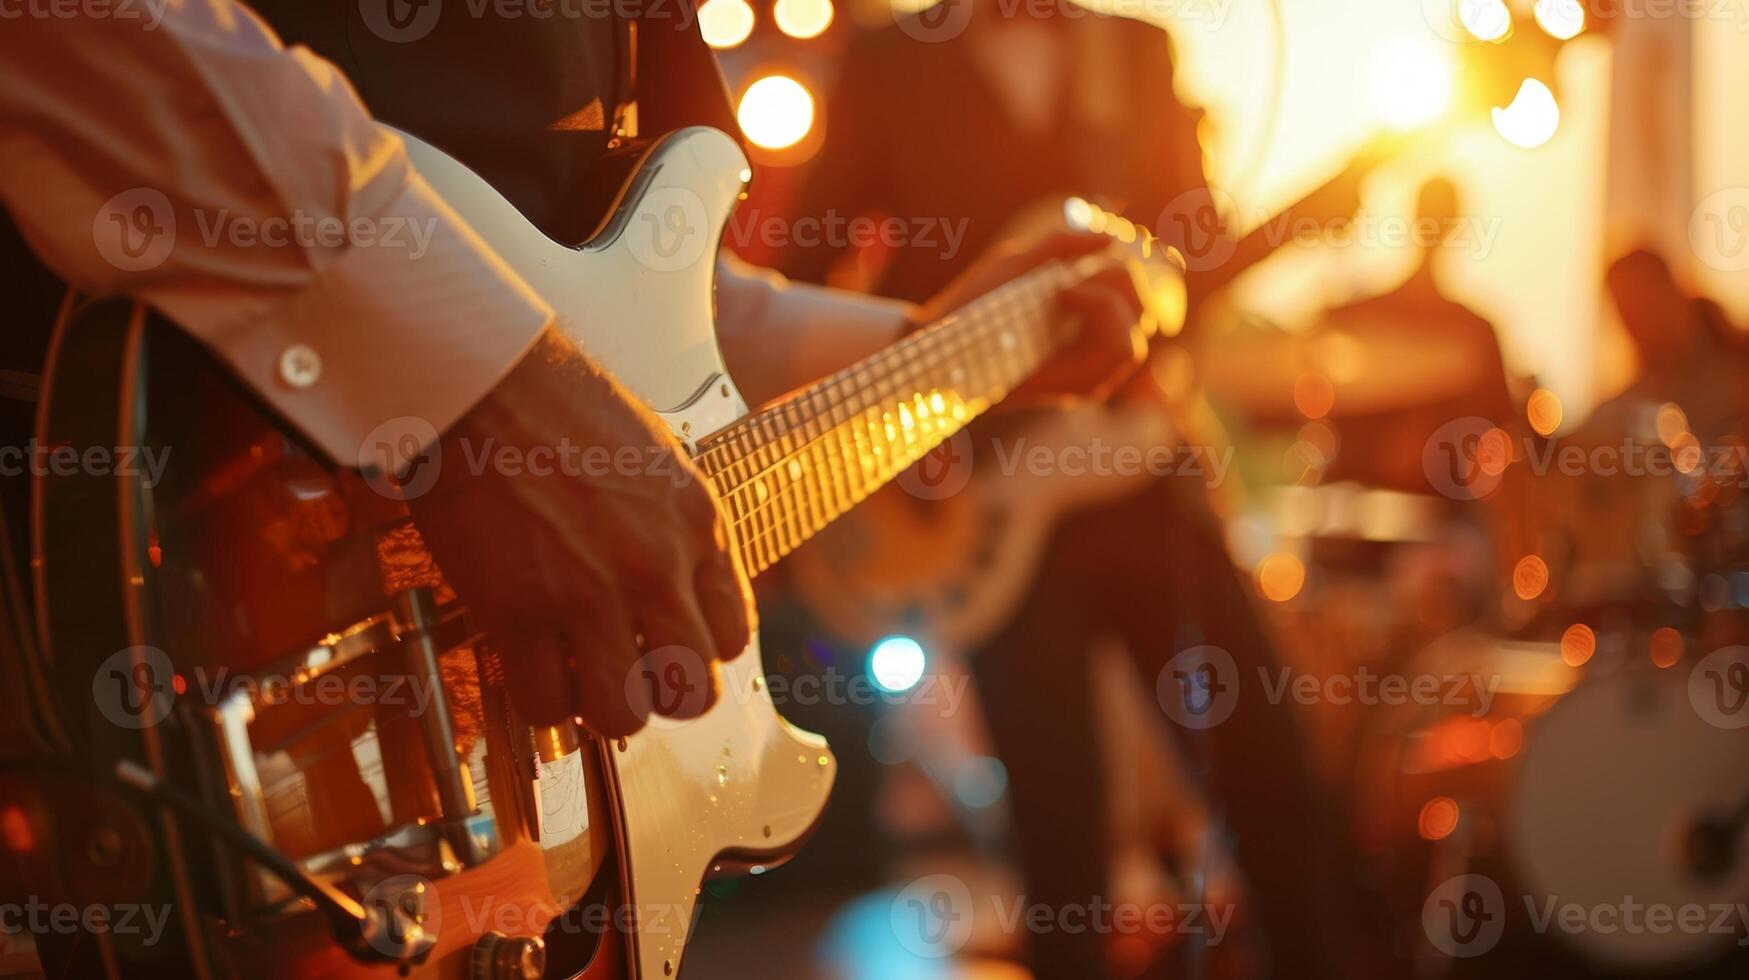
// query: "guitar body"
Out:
[248,553]
[949,553]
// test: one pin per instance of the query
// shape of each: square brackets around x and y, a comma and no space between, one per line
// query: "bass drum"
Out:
[1560,814]
[1633,793]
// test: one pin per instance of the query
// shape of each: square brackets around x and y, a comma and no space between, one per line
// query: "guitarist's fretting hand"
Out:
[1109,343]
[565,571]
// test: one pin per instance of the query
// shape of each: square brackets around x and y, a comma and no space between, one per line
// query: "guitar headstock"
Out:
[1156,267]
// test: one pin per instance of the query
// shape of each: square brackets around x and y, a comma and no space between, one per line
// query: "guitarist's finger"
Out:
[602,658]
[537,678]
[727,602]
[679,648]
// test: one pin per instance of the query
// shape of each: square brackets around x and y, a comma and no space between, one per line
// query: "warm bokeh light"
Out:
[1486,20]
[1506,738]
[1531,119]
[1686,453]
[1544,411]
[1672,423]
[725,23]
[1562,19]
[1530,577]
[1578,644]
[776,112]
[1666,647]
[1280,577]
[1314,396]
[15,830]
[803,18]
[1412,81]
[1439,817]
[897,663]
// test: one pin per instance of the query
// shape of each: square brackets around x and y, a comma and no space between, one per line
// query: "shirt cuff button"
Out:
[299,366]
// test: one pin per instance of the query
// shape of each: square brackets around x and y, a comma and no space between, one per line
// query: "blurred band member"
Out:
[1015,112]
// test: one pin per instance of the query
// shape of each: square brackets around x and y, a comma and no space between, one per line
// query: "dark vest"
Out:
[531,94]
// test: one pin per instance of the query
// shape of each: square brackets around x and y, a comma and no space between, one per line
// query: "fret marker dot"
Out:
[795,469]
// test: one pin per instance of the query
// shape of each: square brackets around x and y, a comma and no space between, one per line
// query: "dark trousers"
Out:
[1153,570]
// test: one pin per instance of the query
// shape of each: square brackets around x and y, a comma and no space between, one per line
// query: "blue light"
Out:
[897,664]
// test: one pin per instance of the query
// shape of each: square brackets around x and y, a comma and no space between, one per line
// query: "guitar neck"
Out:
[788,470]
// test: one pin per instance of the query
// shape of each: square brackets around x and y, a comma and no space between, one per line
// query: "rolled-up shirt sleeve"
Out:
[179,154]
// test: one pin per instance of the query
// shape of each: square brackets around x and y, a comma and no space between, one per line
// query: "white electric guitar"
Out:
[251,553]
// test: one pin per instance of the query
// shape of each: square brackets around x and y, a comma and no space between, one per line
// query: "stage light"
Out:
[725,23]
[776,112]
[1531,119]
[1412,82]
[1562,19]
[803,19]
[1486,20]
[897,664]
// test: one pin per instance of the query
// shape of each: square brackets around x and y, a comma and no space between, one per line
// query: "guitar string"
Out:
[776,531]
[784,525]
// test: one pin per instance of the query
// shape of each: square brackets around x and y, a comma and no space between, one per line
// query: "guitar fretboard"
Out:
[788,470]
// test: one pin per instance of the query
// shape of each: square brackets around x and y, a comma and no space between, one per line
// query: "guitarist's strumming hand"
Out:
[574,576]
[566,571]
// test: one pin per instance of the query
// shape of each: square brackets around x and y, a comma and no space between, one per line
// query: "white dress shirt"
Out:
[183,156]
[176,161]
